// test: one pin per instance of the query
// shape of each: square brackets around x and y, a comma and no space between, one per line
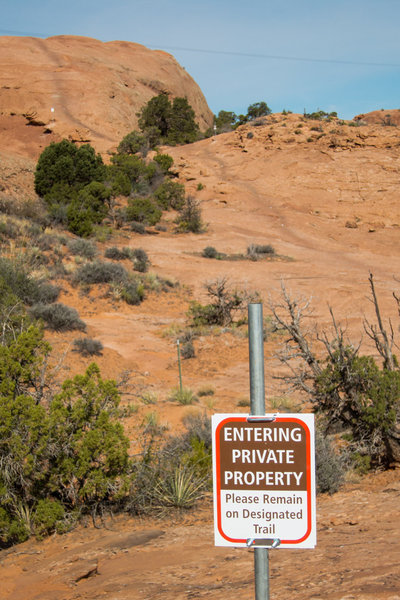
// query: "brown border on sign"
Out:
[308,475]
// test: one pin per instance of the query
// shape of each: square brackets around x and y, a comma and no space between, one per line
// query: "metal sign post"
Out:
[257,407]
[263,473]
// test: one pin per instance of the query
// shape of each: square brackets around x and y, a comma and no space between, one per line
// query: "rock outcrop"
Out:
[87,90]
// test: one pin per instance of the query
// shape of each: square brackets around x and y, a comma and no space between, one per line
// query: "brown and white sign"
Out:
[264,480]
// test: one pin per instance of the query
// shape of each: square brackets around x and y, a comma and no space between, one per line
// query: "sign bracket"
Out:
[263,542]
[261,419]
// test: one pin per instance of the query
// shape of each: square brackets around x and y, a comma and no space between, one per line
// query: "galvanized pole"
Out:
[257,407]
[179,365]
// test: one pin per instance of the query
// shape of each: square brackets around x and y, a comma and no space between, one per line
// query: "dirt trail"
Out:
[357,557]
[330,209]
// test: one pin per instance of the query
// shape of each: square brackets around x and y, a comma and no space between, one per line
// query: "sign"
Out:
[264,480]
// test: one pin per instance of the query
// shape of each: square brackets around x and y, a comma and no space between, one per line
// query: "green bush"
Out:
[183,396]
[155,114]
[48,517]
[353,394]
[133,143]
[27,289]
[164,161]
[84,248]
[189,217]
[225,121]
[227,304]
[88,346]
[258,109]
[59,457]
[141,260]
[179,487]
[57,317]
[59,454]
[118,253]
[187,350]
[100,272]
[182,127]
[369,400]
[138,228]
[170,194]
[65,163]
[47,292]
[171,123]
[143,210]
[329,466]
[255,251]
[88,208]
[133,292]
[131,167]
[210,252]
[320,115]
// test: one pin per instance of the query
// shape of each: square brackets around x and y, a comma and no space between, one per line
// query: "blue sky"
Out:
[339,56]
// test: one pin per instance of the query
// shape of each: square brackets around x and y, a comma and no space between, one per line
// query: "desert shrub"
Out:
[133,143]
[143,210]
[15,275]
[205,391]
[182,127]
[258,109]
[183,396]
[170,194]
[329,466]
[164,161]
[88,208]
[57,199]
[174,473]
[60,454]
[140,260]
[100,272]
[132,292]
[171,123]
[189,217]
[57,317]
[65,163]
[131,166]
[210,252]
[186,343]
[179,487]
[193,447]
[373,397]
[320,115]
[88,346]
[225,121]
[138,228]
[254,251]
[81,247]
[155,114]
[226,304]
[48,517]
[187,350]
[10,230]
[45,241]
[118,253]
[351,391]
[47,292]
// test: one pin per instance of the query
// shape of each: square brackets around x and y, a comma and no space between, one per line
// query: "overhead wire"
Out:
[238,54]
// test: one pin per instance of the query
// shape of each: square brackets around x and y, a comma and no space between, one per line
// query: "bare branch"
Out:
[383,341]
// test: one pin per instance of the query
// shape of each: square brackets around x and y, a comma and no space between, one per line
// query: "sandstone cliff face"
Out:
[87,90]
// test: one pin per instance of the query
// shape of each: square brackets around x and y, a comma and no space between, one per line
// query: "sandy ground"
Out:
[357,557]
[330,209]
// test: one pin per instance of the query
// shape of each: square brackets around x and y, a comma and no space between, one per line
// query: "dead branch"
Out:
[383,341]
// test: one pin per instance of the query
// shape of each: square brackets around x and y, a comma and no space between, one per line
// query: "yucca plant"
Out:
[180,488]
